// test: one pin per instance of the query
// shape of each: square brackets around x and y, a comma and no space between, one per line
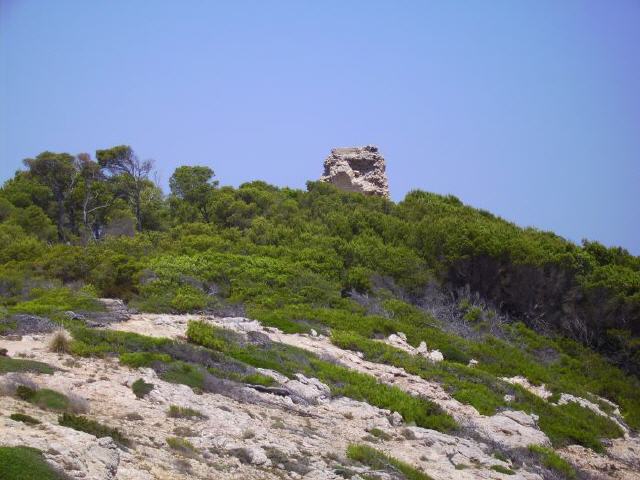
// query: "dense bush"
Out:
[141,388]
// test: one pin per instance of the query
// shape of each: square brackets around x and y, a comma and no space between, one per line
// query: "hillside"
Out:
[315,334]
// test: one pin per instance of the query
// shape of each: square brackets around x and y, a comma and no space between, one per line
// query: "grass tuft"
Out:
[181,445]
[60,343]
[176,411]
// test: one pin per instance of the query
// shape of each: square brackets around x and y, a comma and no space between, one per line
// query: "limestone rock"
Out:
[399,340]
[310,390]
[357,169]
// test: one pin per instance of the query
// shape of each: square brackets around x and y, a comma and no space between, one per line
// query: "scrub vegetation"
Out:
[518,300]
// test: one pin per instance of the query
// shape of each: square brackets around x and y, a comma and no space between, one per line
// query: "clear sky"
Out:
[529,109]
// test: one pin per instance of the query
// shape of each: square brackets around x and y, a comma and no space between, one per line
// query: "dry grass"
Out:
[60,342]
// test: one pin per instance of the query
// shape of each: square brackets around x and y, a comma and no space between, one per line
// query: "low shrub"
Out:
[141,388]
[185,374]
[21,417]
[49,301]
[378,460]
[143,359]
[84,424]
[25,463]
[552,460]
[44,398]
[8,364]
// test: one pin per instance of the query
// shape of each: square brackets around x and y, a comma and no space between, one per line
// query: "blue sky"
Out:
[529,109]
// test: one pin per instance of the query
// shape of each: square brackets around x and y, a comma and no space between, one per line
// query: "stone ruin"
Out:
[357,169]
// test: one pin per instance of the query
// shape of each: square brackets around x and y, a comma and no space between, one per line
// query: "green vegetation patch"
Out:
[378,460]
[175,362]
[44,398]
[552,460]
[57,300]
[25,463]
[21,417]
[141,388]
[84,424]
[8,364]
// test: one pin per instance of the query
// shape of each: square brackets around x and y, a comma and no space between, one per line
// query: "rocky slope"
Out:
[294,431]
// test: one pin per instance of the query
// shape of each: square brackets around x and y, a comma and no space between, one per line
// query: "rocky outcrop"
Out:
[399,340]
[357,169]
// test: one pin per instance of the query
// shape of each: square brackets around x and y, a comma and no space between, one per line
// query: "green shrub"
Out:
[21,417]
[25,463]
[378,460]
[185,374]
[141,388]
[44,398]
[84,424]
[56,300]
[143,359]
[8,364]
[552,460]
[188,299]
[571,423]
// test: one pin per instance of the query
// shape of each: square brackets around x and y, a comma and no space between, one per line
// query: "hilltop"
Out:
[418,339]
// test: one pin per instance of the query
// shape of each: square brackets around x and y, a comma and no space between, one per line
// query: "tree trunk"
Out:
[138,210]
[60,219]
